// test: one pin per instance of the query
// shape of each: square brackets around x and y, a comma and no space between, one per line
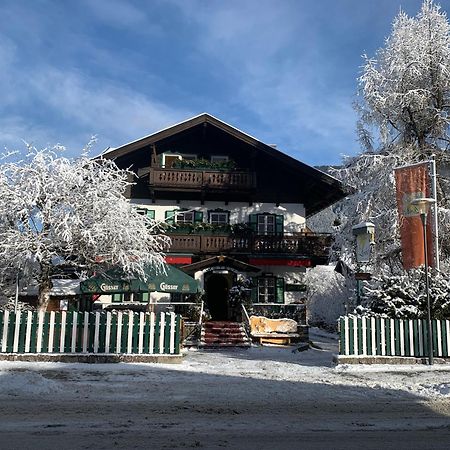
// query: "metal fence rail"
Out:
[375,336]
[84,332]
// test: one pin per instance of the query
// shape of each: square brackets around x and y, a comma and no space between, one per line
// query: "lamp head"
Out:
[423,204]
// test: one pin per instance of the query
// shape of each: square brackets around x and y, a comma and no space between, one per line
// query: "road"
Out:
[244,399]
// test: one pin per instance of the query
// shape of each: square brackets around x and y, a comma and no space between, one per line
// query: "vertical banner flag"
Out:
[413,182]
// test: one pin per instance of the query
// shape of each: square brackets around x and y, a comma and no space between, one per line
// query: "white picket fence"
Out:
[375,336]
[84,332]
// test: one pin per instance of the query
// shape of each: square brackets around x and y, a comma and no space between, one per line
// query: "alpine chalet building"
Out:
[235,210]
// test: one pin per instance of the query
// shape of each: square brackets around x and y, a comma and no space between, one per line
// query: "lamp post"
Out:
[365,239]
[423,206]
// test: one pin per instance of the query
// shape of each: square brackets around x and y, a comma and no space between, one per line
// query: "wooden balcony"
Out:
[307,244]
[192,180]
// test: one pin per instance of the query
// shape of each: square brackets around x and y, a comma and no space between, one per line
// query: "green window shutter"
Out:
[151,213]
[279,224]
[253,222]
[279,290]
[198,216]
[170,217]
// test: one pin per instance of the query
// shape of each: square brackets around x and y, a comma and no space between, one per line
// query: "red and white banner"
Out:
[414,182]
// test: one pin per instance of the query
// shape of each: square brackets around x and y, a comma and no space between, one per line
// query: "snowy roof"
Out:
[60,287]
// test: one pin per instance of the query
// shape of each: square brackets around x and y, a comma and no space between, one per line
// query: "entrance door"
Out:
[217,296]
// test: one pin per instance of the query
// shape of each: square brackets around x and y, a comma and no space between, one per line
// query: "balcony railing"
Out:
[191,179]
[307,244]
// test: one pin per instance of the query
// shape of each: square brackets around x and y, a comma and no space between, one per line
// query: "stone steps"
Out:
[223,334]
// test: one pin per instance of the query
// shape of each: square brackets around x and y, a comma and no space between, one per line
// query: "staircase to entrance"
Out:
[221,334]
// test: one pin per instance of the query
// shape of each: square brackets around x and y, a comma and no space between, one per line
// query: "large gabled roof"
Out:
[336,189]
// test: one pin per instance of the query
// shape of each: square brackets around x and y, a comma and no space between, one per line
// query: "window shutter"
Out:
[253,222]
[279,224]
[151,213]
[279,290]
[198,216]
[170,217]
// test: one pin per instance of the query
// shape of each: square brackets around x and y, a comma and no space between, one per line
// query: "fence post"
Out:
[18,316]
[162,332]
[172,333]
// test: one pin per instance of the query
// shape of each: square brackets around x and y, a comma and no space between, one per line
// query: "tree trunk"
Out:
[45,286]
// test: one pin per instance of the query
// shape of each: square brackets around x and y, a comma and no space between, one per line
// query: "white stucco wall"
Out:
[294,213]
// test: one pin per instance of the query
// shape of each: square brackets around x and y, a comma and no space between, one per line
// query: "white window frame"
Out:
[225,214]
[180,217]
[172,155]
[265,286]
[263,224]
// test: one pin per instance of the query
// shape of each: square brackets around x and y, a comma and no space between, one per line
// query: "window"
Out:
[180,216]
[169,159]
[189,157]
[219,217]
[219,158]
[267,224]
[150,213]
[266,290]
[184,217]
[269,289]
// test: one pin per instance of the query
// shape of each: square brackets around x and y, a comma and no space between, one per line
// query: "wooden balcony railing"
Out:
[189,179]
[308,244]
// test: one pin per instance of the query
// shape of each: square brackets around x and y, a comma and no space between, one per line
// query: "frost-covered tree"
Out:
[55,210]
[405,89]
[329,295]
[404,296]
[403,97]
[404,105]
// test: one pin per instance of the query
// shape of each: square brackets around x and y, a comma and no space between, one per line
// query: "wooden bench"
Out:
[275,338]
[273,331]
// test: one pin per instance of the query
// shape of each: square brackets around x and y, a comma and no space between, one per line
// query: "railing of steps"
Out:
[246,323]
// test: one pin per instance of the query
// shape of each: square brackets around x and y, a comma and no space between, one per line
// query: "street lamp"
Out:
[365,240]
[423,206]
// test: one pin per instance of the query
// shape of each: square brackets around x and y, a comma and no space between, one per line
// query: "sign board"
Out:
[295,287]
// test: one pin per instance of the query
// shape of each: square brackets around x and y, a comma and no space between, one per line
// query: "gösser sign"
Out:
[168,287]
[109,287]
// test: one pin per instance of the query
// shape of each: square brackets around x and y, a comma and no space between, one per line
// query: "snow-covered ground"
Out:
[263,397]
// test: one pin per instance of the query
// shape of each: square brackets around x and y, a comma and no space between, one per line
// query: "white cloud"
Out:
[271,55]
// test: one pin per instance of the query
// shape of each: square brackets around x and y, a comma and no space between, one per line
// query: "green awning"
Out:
[174,280]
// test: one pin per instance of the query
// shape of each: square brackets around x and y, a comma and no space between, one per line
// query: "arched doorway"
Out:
[217,288]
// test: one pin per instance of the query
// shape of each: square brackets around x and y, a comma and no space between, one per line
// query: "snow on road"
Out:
[263,397]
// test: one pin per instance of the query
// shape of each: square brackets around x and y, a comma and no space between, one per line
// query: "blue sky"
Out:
[283,71]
